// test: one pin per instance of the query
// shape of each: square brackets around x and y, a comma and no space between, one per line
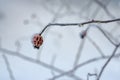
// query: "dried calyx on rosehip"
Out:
[83,34]
[37,41]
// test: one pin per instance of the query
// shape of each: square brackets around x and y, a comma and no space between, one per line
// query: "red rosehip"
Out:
[37,41]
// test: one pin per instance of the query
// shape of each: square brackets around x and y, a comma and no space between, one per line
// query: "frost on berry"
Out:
[37,41]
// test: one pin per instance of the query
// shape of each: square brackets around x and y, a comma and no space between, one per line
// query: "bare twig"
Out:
[111,36]
[61,75]
[96,46]
[76,67]
[83,64]
[105,35]
[83,41]
[93,60]
[79,24]
[105,65]
[79,52]
[8,67]
[55,17]
[45,65]
[89,75]
[105,8]
[52,63]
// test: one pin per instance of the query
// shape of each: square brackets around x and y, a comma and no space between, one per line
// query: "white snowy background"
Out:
[21,19]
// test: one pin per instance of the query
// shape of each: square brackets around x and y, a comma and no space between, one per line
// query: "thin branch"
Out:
[8,67]
[79,24]
[45,65]
[93,60]
[111,36]
[79,52]
[105,8]
[89,75]
[105,35]
[52,63]
[105,65]
[55,17]
[83,64]
[83,41]
[61,75]
[96,46]
[99,21]
[75,68]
